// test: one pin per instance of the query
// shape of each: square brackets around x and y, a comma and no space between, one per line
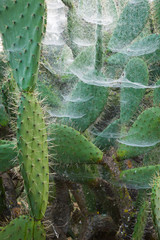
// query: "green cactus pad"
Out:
[33,153]
[130,98]
[22,25]
[142,136]
[146,45]
[156,16]
[19,228]
[51,96]
[109,135]
[86,111]
[86,101]
[117,59]
[10,96]
[77,173]
[139,177]
[24,228]
[4,119]
[90,198]
[155,203]
[72,147]
[38,231]
[75,158]
[130,24]
[8,154]
[156,98]
[141,221]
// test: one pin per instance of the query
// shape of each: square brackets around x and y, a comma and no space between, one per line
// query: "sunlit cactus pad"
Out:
[23,228]
[22,24]
[33,153]
[69,146]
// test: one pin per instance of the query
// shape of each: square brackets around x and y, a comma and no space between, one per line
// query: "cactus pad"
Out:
[139,177]
[130,24]
[33,153]
[108,136]
[142,136]
[141,221]
[3,115]
[8,154]
[22,25]
[23,228]
[155,203]
[135,71]
[19,228]
[72,147]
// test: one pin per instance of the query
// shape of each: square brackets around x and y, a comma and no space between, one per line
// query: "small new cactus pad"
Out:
[130,24]
[19,228]
[22,25]
[142,136]
[33,153]
[141,221]
[72,147]
[139,177]
[8,154]
[155,203]
[130,98]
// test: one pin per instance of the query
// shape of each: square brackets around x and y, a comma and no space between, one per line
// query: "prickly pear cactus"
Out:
[19,228]
[141,220]
[130,24]
[22,25]
[8,155]
[142,136]
[33,153]
[155,202]
[135,71]
[24,228]
[72,147]
[139,177]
